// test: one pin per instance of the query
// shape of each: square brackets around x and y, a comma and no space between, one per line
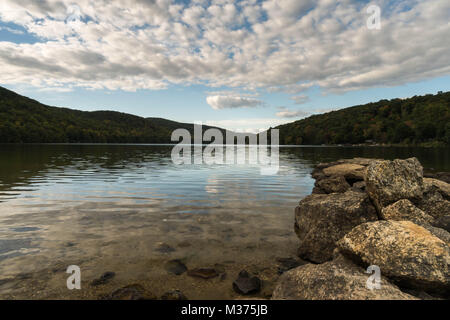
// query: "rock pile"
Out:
[378,213]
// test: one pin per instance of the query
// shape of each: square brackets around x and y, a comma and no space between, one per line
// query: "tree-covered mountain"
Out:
[23,120]
[420,120]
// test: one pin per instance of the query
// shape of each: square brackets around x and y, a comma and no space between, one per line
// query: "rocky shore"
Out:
[369,214]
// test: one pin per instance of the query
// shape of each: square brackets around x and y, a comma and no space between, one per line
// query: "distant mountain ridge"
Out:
[23,120]
[420,120]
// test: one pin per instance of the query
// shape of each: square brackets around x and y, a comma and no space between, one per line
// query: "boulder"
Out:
[442,187]
[323,219]
[434,204]
[359,185]
[351,171]
[443,222]
[339,279]
[406,253]
[439,233]
[405,210]
[390,181]
[334,184]
[443,176]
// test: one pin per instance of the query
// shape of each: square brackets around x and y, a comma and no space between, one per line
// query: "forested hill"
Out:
[23,120]
[420,120]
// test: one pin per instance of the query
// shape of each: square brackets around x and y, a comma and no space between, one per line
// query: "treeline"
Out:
[23,120]
[420,120]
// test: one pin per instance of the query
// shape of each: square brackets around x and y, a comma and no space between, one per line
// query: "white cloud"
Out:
[300,99]
[232,102]
[277,45]
[286,113]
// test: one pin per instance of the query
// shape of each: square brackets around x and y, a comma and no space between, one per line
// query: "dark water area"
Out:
[128,209]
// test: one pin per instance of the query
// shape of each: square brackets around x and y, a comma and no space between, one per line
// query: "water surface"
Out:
[129,209]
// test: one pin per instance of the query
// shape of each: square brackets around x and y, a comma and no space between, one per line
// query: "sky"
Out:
[242,65]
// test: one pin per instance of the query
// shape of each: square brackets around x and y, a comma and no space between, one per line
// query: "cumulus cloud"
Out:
[286,113]
[274,45]
[300,99]
[232,102]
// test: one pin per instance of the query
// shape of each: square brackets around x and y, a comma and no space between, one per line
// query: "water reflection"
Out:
[107,207]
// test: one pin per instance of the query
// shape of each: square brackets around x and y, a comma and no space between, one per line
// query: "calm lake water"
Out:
[129,209]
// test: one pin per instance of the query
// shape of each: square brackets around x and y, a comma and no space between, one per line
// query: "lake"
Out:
[128,209]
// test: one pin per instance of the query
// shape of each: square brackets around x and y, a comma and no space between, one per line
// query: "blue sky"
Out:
[244,65]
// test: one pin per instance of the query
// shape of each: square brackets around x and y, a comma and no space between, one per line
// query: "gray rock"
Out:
[442,187]
[246,284]
[339,279]
[359,185]
[443,222]
[434,204]
[164,248]
[104,278]
[390,181]
[176,267]
[204,273]
[321,220]
[406,253]
[130,292]
[334,184]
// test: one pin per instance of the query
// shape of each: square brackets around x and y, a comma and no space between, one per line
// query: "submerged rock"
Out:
[246,284]
[164,248]
[406,253]
[390,181]
[130,292]
[204,273]
[339,279]
[104,278]
[176,267]
[321,220]
[286,264]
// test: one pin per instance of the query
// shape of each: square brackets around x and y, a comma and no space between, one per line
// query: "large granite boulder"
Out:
[406,253]
[323,219]
[442,187]
[334,184]
[405,210]
[434,204]
[339,279]
[390,181]
[350,171]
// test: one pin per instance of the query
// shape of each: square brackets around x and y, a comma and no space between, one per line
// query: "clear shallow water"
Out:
[111,207]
